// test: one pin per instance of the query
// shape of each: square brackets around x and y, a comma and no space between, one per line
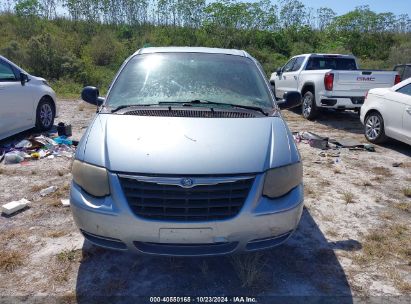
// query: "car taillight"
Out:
[329,81]
[397,79]
[366,95]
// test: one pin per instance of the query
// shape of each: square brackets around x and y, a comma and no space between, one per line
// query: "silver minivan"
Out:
[188,155]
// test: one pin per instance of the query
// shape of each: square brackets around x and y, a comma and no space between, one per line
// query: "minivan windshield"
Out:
[150,79]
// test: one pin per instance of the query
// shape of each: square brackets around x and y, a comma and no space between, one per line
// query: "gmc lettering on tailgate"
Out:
[362,78]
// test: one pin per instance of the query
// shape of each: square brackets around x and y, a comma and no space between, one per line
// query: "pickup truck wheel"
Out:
[45,114]
[309,108]
[374,128]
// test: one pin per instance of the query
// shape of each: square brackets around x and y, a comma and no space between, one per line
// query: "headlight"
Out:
[92,179]
[280,181]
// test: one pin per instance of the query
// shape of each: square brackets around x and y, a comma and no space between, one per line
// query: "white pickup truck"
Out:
[328,81]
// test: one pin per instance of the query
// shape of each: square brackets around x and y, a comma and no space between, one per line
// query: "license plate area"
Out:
[186,235]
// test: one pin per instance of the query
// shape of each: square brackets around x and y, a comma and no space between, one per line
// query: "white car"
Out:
[387,113]
[26,101]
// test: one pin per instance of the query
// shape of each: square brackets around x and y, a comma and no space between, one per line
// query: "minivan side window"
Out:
[405,89]
[6,72]
[298,63]
[289,65]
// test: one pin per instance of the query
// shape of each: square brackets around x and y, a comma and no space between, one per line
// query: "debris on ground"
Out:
[63,129]
[65,202]
[48,190]
[325,143]
[38,147]
[14,206]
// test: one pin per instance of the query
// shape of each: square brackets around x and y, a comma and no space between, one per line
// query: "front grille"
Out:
[191,113]
[175,203]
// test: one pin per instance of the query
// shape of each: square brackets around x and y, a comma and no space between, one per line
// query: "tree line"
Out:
[261,15]
[81,42]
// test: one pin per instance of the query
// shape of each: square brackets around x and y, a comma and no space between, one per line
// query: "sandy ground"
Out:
[353,240]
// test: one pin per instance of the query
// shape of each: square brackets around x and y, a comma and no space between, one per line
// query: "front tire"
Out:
[374,128]
[45,114]
[308,106]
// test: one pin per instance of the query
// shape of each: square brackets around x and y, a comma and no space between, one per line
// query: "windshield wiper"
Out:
[131,106]
[208,102]
[203,101]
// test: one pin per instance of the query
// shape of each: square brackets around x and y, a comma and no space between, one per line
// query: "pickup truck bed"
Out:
[322,87]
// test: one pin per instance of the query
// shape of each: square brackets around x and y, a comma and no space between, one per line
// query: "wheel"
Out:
[308,106]
[45,114]
[374,128]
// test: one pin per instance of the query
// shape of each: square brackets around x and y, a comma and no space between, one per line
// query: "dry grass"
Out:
[332,233]
[11,234]
[69,255]
[249,269]
[324,183]
[337,171]
[309,191]
[399,282]
[348,197]
[404,287]
[404,206]
[62,274]
[10,259]
[386,216]
[382,171]
[69,298]
[391,241]
[54,199]
[366,183]
[407,192]
[57,233]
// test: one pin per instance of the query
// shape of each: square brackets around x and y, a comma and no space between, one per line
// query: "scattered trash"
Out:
[23,144]
[38,147]
[48,190]
[329,154]
[62,140]
[63,129]
[65,202]
[14,206]
[14,157]
[325,143]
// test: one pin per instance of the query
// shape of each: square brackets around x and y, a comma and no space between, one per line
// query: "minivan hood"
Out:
[189,146]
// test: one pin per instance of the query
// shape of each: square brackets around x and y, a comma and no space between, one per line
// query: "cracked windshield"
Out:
[180,78]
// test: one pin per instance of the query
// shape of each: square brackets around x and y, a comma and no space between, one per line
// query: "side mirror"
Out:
[91,95]
[290,100]
[23,78]
[279,71]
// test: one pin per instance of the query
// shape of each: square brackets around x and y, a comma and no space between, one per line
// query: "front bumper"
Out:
[261,223]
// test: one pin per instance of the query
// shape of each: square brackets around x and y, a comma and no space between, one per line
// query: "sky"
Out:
[379,6]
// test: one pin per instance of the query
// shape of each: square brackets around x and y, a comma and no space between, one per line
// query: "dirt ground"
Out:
[354,239]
